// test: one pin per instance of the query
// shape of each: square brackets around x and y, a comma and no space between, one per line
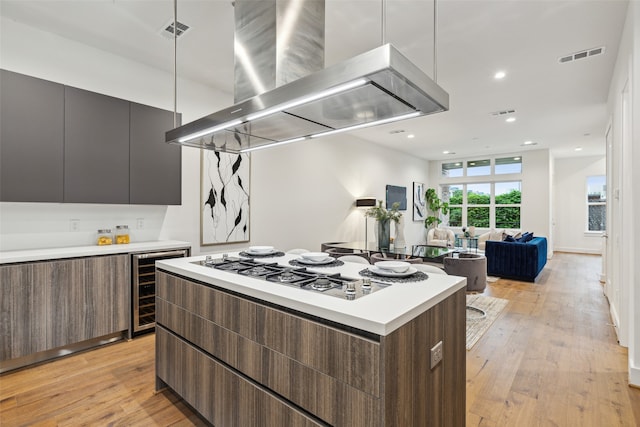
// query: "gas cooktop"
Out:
[334,285]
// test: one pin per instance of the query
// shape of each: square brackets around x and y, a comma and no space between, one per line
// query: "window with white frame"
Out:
[596,203]
[508,165]
[484,199]
[484,205]
[452,194]
[485,167]
[452,170]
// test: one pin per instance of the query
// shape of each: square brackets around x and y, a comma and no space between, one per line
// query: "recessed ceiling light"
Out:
[445,152]
[458,164]
[516,158]
[411,135]
[528,143]
[578,148]
[510,120]
[499,75]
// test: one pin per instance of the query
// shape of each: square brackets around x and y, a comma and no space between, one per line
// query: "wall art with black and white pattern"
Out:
[224,207]
[419,202]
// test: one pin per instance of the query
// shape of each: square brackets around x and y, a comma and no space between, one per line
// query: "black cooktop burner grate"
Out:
[290,276]
[261,270]
[332,284]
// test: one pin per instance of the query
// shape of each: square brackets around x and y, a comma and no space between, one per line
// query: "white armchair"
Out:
[440,237]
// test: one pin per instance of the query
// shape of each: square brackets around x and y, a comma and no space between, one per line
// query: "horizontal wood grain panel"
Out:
[353,360]
[322,395]
[347,357]
[220,395]
[223,309]
[52,304]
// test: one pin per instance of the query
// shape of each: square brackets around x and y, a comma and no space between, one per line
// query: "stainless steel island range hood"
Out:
[376,87]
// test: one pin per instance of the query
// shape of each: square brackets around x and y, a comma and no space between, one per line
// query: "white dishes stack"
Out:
[393,269]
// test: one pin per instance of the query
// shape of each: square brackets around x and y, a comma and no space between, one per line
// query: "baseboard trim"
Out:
[615,321]
[47,355]
[634,375]
[578,250]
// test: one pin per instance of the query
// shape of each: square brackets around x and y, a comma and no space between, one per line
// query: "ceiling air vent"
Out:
[502,113]
[167,30]
[582,54]
[393,132]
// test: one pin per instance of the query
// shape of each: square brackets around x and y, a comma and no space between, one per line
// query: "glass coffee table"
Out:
[466,242]
[434,254]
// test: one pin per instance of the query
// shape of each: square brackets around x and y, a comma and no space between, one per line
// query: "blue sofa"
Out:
[515,260]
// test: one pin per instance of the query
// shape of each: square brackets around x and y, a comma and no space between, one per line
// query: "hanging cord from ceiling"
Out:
[435,41]
[175,63]
[383,21]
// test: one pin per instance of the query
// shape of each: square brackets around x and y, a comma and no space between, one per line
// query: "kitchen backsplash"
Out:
[49,225]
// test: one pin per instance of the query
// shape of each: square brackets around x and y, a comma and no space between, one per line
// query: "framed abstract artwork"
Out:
[419,202]
[224,198]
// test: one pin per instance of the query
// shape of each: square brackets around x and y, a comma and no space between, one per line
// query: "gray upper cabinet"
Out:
[96,153]
[155,166]
[31,139]
[63,144]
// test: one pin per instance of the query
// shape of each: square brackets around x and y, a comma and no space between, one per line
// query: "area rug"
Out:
[478,325]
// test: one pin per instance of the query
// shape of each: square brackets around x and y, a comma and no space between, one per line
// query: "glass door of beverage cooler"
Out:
[143,292]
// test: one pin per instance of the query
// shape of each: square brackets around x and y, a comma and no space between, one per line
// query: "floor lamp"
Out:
[366,203]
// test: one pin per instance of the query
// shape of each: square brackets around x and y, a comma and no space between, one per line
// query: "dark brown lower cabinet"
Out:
[52,304]
[237,360]
[217,392]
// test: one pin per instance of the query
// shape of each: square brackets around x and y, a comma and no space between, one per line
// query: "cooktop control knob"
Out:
[351,290]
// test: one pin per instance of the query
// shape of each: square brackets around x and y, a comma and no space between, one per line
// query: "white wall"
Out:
[536,200]
[301,195]
[623,257]
[570,177]
[535,177]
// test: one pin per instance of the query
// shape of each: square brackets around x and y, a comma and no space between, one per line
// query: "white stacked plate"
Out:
[315,258]
[261,250]
[393,269]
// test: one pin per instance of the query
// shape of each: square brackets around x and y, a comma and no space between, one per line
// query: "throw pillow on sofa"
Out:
[515,234]
[526,237]
[509,239]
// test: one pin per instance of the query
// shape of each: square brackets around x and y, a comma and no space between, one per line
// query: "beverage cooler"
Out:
[143,292]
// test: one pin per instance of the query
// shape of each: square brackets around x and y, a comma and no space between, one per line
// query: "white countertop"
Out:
[82,251]
[381,312]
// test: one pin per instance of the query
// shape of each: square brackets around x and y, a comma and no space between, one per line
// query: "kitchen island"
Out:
[245,351]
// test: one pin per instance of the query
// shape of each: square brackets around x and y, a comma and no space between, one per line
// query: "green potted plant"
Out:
[384,217]
[436,207]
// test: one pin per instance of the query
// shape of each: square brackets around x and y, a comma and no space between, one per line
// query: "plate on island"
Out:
[395,266]
[261,250]
[389,273]
[306,261]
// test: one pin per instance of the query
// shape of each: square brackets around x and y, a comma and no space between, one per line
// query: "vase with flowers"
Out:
[384,217]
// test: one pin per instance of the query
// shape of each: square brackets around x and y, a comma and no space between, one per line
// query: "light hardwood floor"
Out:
[550,359]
